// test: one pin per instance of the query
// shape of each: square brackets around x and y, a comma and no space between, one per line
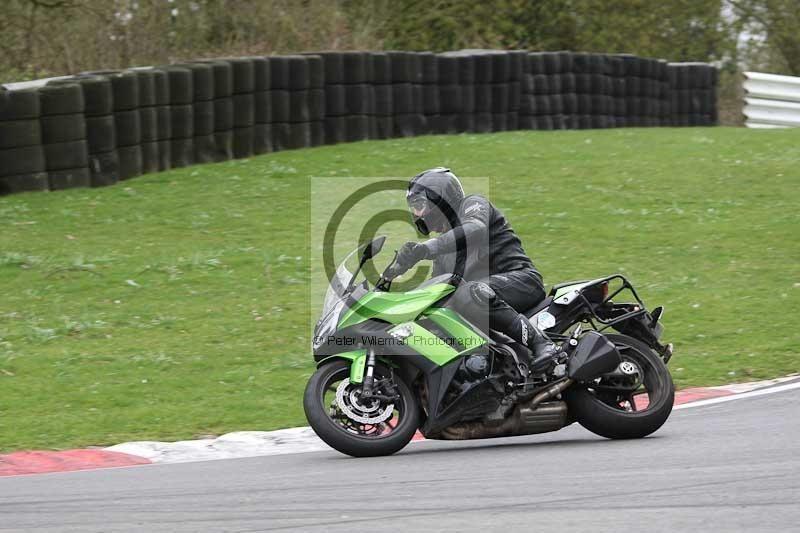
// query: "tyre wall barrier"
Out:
[693,94]
[97,128]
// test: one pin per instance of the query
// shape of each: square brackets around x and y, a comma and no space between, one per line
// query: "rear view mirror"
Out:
[373,249]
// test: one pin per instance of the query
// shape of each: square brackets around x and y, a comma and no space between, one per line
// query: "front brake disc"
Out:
[349,403]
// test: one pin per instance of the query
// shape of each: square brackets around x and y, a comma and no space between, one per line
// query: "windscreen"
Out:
[338,283]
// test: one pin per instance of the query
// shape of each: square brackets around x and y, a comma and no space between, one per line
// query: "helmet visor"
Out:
[418,204]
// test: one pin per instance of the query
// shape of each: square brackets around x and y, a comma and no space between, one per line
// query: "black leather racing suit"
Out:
[500,280]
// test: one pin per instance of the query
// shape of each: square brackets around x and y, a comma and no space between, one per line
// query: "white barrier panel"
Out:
[772,101]
[772,112]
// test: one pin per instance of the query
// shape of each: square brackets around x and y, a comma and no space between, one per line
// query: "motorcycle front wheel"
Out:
[354,425]
[630,403]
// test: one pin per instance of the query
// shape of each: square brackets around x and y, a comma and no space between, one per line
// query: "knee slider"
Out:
[482,293]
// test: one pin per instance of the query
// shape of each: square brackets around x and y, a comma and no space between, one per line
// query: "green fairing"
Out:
[453,324]
[394,307]
[428,344]
[357,368]
[358,361]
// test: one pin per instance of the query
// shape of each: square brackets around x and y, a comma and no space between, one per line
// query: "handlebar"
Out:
[384,282]
[456,280]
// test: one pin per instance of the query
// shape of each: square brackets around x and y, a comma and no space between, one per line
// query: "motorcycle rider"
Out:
[476,242]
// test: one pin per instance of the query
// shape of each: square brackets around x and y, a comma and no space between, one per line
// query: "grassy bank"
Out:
[177,304]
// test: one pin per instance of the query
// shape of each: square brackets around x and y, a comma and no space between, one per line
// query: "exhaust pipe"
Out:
[546,394]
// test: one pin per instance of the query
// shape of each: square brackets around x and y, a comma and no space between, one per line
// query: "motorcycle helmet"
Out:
[434,197]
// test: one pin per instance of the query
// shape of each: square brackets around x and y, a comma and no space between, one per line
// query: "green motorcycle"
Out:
[391,363]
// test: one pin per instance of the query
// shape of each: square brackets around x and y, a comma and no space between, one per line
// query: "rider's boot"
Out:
[544,350]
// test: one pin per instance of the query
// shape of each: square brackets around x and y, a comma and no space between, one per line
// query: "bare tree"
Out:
[778,21]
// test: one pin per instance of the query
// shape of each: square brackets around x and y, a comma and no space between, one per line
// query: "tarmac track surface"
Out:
[731,466]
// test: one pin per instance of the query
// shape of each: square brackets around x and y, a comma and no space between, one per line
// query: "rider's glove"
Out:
[409,255]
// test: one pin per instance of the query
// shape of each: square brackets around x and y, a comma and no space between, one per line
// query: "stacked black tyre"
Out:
[244,105]
[163,120]
[663,89]
[204,145]
[63,129]
[619,87]
[456,93]
[383,92]
[450,103]
[503,96]
[101,134]
[181,112]
[407,106]
[222,80]
[281,102]
[664,106]
[148,120]
[349,96]
[645,91]
[593,82]
[428,90]
[342,94]
[316,99]
[127,126]
[484,64]
[335,122]
[616,90]
[693,94]
[262,128]
[517,60]
[549,99]
[297,83]
[22,160]
[500,90]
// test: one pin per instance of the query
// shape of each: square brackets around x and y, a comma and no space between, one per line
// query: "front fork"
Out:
[369,380]
[362,369]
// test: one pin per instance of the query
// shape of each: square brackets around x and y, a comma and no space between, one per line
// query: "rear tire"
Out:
[347,442]
[602,419]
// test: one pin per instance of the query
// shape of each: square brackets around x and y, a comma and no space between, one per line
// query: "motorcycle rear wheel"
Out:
[612,413]
[341,428]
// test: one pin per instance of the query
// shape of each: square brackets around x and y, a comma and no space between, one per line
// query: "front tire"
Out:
[603,410]
[340,428]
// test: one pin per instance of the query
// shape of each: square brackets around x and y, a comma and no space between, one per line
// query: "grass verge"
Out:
[176,305]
